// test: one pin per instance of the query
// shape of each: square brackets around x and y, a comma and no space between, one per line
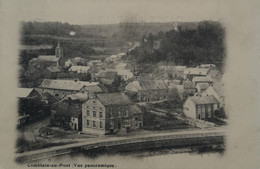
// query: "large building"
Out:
[189,73]
[148,90]
[50,60]
[108,113]
[62,88]
[200,107]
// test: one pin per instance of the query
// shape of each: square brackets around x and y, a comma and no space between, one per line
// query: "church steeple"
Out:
[59,51]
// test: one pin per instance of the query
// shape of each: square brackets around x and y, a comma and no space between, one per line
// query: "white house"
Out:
[200,107]
[79,69]
[217,92]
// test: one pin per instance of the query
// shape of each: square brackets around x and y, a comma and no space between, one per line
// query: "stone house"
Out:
[200,107]
[62,88]
[201,79]
[189,73]
[148,90]
[67,115]
[108,113]
[217,91]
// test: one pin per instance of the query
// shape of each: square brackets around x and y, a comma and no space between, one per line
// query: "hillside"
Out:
[204,44]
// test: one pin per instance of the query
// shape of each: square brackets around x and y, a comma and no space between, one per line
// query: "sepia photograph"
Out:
[116,84]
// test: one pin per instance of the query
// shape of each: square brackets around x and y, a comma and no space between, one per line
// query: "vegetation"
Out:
[190,47]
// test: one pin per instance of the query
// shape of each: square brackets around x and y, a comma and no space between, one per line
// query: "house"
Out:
[50,60]
[108,113]
[217,91]
[200,107]
[148,90]
[51,72]
[114,58]
[77,97]
[62,88]
[189,88]
[208,66]
[125,74]
[172,86]
[79,69]
[201,87]
[105,77]
[213,73]
[27,93]
[67,115]
[94,62]
[30,106]
[189,73]
[75,61]
[202,79]
[121,66]
[178,71]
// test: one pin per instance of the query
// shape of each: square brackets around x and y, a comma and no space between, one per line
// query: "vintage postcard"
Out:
[129,84]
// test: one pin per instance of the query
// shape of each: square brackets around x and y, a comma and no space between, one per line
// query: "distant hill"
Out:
[133,31]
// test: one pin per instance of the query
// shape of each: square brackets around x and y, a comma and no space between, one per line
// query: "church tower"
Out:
[59,51]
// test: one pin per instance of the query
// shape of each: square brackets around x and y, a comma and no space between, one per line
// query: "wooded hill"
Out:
[204,44]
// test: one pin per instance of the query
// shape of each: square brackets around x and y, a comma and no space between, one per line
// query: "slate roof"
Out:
[79,68]
[106,74]
[204,100]
[207,66]
[180,68]
[114,99]
[152,84]
[202,79]
[47,58]
[196,71]
[134,109]
[133,86]
[65,84]
[77,96]
[203,85]
[219,88]
[188,85]
[53,69]
[66,109]
[212,73]
[93,88]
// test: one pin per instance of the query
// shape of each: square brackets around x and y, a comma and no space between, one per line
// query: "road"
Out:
[106,140]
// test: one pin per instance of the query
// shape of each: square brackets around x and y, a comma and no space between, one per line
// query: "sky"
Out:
[114,11]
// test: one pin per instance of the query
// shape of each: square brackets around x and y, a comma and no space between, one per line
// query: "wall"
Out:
[93,105]
[189,109]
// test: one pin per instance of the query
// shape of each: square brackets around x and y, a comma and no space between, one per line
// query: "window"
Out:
[101,125]
[94,107]
[136,118]
[203,109]
[100,108]
[199,109]
[94,124]
[209,108]
[87,123]
[94,102]
[94,114]
[111,114]
[100,115]
[88,114]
